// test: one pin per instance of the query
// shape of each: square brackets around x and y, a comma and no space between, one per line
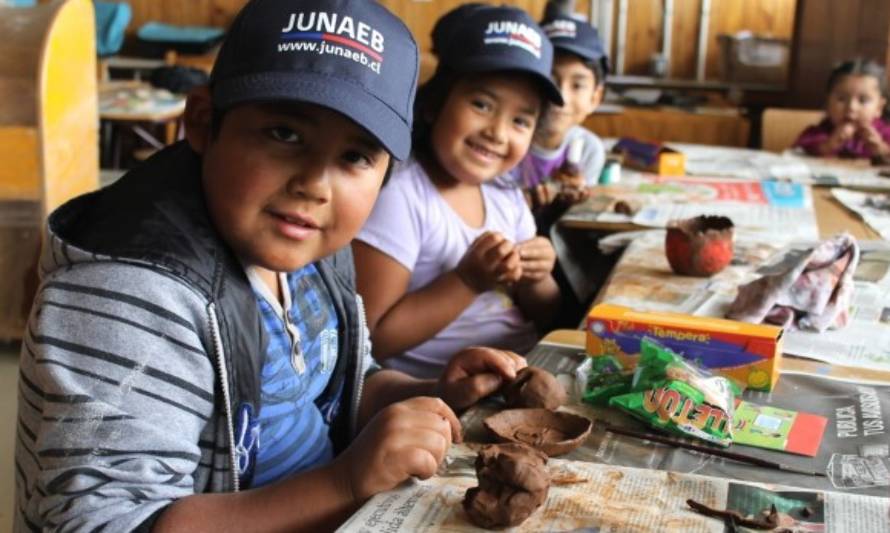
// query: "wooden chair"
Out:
[781,127]
[49,145]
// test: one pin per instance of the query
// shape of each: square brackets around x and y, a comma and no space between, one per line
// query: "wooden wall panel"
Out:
[684,41]
[766,17]
[829,32]
[644,21]
[763,17]
[772,17]
[418,15]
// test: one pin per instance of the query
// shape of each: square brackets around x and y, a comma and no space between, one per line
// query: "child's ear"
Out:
[597,97]
[198,117]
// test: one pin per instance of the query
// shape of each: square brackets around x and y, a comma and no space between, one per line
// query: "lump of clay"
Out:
[513,483]
[552,432]
[534,387]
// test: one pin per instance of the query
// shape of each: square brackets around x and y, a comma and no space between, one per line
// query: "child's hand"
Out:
[839,136]
[405,439]
[541,195]
[571,181]
[571,196]
[489,261]
[476,372]
[873,139]
[537,258]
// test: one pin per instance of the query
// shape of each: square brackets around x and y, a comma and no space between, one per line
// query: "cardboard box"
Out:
[650,157]
[746,353]
[753,59]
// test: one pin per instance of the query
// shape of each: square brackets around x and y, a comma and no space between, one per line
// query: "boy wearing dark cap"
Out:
[580,66]
[196,357]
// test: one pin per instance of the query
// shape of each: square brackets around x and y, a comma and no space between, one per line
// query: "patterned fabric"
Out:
[812,137]
[301,354]
[811,290]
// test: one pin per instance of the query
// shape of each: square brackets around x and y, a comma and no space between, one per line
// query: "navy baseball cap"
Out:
[352,56]
[577,37]
[476,38]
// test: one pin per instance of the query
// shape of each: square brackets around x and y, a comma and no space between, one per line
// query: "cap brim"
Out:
[353,101]
[487,64]
[581,51]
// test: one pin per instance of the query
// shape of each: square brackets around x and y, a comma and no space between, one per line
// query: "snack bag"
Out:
[670,393]
[605,378]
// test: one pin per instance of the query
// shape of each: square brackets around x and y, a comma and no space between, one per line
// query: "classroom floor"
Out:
[9,371]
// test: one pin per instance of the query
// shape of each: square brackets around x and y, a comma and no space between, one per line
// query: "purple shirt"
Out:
[540,163]
[414,225]
[817,134]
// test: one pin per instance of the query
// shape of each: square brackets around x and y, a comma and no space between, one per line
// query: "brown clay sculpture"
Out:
[513,483]
[534,387]
[699,246]
[552,432]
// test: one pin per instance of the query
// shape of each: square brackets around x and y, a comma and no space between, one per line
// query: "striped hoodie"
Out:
[140,366]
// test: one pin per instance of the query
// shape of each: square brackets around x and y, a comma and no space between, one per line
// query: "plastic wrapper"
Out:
[672,394]
[604,378]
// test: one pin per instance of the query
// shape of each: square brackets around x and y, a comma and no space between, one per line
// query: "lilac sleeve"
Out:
[394,224]
[525,223]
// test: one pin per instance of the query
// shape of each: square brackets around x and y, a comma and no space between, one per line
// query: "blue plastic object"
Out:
[112,19]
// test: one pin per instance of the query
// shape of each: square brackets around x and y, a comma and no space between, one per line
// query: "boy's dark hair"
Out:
[859,67]
[218,115]
[597,67]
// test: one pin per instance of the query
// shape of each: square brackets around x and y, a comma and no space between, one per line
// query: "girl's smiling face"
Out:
[485,126]
[856,100]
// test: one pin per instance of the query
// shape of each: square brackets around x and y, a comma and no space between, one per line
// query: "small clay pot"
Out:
[700,246]
[534,387]
[552,432]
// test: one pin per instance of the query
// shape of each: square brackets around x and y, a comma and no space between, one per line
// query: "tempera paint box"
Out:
[650,157]
[749,354]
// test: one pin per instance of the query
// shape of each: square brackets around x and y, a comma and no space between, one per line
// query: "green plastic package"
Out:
[606,379]
[670,393]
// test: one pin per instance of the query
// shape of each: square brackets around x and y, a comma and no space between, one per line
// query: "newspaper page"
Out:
[873,208]
[643,280]
[595,497]
[790,165]
[773,207]
[768,219]
[743,163]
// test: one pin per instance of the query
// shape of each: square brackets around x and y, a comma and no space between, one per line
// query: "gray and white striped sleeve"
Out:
[115,388]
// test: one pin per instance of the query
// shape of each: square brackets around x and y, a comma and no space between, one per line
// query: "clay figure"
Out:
[513,483]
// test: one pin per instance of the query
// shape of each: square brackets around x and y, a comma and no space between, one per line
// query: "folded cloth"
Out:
[810,290]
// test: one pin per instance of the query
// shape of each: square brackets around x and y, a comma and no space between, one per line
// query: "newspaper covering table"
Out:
[744,163]
[767,207]
[595,497]
[873,208]
[642,279]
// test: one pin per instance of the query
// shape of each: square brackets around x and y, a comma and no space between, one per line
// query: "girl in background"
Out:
[854,126]
[449,257]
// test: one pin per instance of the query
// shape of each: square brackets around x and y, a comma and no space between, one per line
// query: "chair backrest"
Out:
[781,127]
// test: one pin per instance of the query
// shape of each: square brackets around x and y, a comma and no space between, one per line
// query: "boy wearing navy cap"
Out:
[196,357]
[580,66]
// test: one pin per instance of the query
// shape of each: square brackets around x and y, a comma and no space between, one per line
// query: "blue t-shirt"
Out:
[300,357]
